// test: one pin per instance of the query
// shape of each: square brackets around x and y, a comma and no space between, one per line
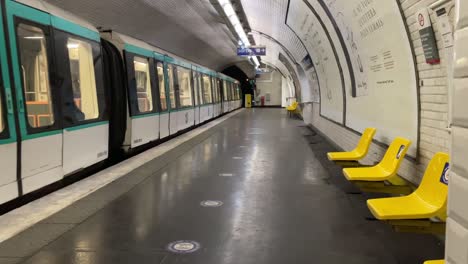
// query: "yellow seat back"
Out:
[434,185]
[365,142]
[394,155]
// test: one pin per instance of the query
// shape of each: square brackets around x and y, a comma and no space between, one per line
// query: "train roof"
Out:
[58,14]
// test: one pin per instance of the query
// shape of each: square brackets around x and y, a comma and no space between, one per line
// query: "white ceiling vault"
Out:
[268,17]
[191,29]
[194,29]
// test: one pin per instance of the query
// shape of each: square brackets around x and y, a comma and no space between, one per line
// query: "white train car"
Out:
[72,97]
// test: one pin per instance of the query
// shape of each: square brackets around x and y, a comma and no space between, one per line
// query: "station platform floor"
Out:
[270,195]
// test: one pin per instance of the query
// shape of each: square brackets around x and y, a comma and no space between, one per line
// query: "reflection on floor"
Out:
[281,202]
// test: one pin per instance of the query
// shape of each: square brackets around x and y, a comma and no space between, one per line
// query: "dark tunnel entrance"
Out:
[236,73]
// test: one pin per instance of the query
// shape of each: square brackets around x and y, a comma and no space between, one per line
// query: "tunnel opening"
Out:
[245,83]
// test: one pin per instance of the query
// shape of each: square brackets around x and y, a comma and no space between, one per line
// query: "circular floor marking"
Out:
[210,203]
[183,246]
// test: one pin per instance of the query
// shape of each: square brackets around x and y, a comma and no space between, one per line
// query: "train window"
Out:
[185,87]
[162,86]
[218,85]
[143,84]
[218,92]
[195,88]
[170,74]
[83,78]
[200,88]
[35,75]
[213,84]
[2,123]
[225,95]
[207,94]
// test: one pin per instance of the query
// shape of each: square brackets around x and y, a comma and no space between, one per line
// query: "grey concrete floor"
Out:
[283,203]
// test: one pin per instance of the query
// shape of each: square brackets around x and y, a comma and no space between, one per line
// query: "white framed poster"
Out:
[385,95]
[331,77]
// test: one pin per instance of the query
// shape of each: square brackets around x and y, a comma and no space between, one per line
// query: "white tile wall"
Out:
[461,16]
[457,239]
[458,189]
[461,53]
[457,228]
[434,136]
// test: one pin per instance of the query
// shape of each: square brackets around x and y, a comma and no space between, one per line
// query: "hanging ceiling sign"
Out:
[429,44]
[251,51]
[263,70]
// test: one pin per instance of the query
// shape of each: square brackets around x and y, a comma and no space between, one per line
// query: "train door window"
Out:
[35,75]
[170,74]
[162,86]
[185,87]
[143,84]
[200,88]
[195,88]
[225,94]
[83,78]
[207,94]
[213,85]
[218,88]
[2,123]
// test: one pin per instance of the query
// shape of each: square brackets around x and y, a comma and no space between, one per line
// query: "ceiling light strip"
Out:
[236,24]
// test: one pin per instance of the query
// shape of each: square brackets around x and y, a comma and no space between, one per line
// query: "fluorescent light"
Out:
[34,37]
[229,10]
[256,62]
[236,24]
[234,20]
[73,45]
[224,2]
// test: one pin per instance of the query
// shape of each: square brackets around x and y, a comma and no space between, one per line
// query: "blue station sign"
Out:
[251,51]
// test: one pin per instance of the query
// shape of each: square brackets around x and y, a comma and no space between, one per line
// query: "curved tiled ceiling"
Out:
[268,17]
[194,30]
[190,29]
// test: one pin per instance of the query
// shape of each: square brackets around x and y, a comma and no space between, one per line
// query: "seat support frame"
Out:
[383,187]
[420,226]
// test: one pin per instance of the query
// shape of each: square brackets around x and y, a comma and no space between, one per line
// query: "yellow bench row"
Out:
[422,210]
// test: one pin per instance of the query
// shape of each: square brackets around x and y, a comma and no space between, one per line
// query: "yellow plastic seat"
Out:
[434,261]
[427,201]
[387,169]
[359,152]
[292,107]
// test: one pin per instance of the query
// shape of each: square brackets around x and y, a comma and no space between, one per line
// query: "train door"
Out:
[173,124]
[225,97]
[8,145]
[185,113]
[143,95]
[83,96]
[207,109]
[214,84]
[200,96]
[36,97]
[218,97]
[164,99]
[196,108]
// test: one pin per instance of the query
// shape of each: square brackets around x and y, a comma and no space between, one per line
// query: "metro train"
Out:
[72,97]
